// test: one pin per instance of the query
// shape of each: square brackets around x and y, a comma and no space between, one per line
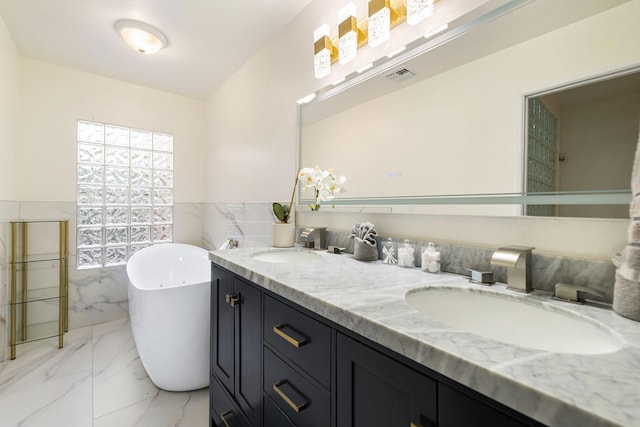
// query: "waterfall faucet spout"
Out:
[517,259]
[314,237]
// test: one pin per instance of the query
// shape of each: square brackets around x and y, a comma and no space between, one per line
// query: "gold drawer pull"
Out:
[415,425]
[291,340]
[226,424]
[278,389]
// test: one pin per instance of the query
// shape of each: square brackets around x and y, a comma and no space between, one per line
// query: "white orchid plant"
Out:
[325,183]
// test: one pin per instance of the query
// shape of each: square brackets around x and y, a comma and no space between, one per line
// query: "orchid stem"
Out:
[293,194]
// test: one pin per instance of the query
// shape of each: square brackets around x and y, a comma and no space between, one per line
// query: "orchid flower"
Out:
[325,183]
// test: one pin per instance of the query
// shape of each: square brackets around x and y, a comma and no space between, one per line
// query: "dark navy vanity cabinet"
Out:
[275,364]
[236,340]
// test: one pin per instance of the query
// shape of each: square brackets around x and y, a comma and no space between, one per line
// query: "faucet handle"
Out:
[573,293]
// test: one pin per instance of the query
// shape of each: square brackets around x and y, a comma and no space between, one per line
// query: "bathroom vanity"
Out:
[326,340]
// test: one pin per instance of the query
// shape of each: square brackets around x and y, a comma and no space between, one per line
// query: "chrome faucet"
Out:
[574,293]
[517,259]
[314,237]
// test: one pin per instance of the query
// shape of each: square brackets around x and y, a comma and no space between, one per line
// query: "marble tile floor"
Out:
[96,380]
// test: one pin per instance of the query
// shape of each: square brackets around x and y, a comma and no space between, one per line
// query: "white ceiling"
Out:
[208,39]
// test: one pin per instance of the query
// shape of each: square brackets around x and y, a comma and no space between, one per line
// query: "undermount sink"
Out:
[286,256]
[508,320]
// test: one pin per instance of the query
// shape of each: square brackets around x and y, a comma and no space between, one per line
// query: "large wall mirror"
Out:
[448,131]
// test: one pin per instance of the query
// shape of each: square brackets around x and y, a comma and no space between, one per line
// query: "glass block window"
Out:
[124,194]
[542,156]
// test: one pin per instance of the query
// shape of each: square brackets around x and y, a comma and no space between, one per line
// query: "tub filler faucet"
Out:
[314,237]
[517,259]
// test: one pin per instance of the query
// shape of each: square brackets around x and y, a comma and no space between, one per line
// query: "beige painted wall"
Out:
[53,98]
[255,107]
[8,101]
[598,141]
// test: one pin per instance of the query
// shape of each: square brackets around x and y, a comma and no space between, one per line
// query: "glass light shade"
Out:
[140,36]
[322,54]
[379,27]
[348,42]
[322,63]
[347,47]
[419,10]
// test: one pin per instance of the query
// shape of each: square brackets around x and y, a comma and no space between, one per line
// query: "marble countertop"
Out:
[368,298]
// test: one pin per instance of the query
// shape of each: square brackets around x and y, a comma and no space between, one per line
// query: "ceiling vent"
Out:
[400,75]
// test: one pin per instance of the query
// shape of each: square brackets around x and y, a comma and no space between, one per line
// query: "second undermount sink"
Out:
[286,256]
[508,320]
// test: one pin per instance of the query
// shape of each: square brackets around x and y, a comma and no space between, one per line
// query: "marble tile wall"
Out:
[249,223]
[547,270]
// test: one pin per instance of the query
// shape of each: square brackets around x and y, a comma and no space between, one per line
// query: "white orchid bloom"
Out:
[334,184]
[325,183]
[308,177]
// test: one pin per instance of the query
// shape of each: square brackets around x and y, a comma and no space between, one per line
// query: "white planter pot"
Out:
[284,235]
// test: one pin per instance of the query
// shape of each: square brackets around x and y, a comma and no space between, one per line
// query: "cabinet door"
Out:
[456,409]
[376,390]
[248,326]
[222,327]
[223,411]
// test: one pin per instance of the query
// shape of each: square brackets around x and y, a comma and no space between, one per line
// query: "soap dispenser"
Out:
[431,259]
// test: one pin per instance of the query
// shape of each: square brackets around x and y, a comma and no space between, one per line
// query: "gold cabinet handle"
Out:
[415,425]
[287,399]
[291,340]
[232,300]
[226,424]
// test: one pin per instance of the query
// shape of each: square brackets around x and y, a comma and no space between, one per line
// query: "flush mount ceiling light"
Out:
[141,37]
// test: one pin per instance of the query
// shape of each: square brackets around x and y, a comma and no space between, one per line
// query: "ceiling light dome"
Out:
[141,37]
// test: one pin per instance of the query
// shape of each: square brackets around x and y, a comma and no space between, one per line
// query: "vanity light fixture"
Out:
[140,36]
[350,36]
[324,51]
[373,29]
[419,10]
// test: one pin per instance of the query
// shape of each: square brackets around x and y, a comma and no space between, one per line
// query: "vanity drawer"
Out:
[273,416]
[305,403]
[302,339]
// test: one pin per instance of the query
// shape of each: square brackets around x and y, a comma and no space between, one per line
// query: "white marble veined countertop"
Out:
[368,298]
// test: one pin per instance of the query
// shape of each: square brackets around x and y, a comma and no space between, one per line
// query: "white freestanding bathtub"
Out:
[169,289]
